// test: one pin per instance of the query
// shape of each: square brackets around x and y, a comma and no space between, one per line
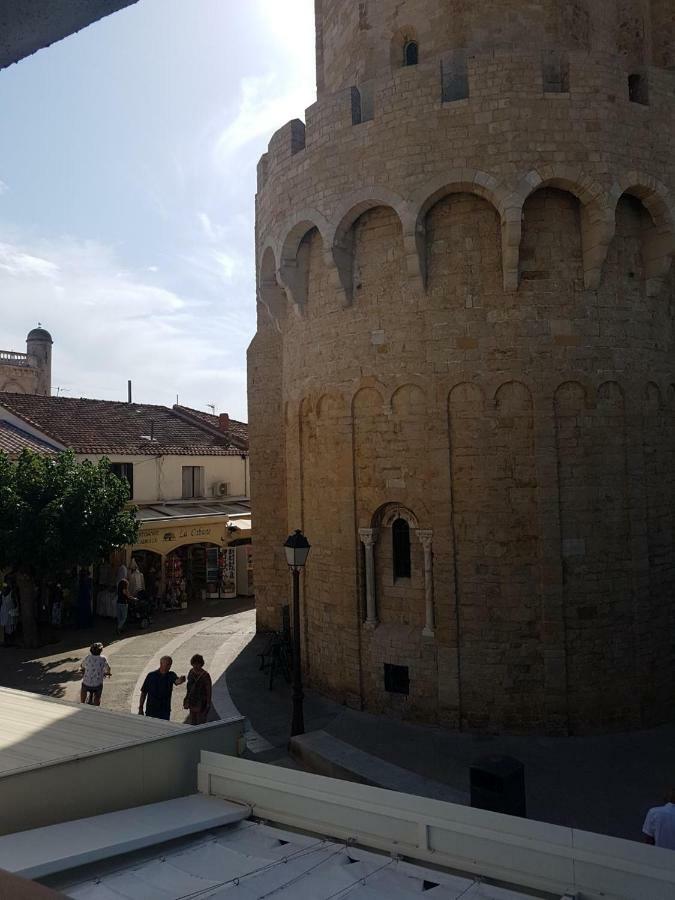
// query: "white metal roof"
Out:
[36,730]
[251,860]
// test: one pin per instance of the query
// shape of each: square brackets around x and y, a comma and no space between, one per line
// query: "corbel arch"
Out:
[459,181]
[271,296]
[656,199]
[597,216]
[291,274]
[342,236]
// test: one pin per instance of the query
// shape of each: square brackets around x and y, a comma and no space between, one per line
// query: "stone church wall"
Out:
[465,318]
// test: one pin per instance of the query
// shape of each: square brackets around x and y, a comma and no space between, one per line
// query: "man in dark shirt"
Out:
[157,688]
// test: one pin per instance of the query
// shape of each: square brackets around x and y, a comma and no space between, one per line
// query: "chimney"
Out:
[223,422]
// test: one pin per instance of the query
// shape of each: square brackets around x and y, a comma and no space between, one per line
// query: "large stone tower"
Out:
[462,386]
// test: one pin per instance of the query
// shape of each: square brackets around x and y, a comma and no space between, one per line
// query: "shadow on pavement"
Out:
[269,711]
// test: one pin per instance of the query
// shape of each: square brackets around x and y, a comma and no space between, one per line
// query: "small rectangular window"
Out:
[454,76]
[555,72]
[356,106]
[125,470]
[638,89]
[362,103]
[396,679]
[193,482]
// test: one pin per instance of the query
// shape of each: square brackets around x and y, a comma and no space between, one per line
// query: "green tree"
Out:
[56,513]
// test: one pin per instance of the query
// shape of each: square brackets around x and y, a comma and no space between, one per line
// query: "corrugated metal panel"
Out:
[37,730]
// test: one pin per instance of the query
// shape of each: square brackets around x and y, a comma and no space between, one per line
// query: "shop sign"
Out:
[156,536]
[229,577]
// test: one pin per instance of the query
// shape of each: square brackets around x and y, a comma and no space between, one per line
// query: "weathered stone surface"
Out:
[465,319]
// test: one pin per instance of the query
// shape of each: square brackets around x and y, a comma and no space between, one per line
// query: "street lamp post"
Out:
[297,550]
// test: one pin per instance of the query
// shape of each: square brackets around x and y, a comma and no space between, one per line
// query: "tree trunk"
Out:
[29,625]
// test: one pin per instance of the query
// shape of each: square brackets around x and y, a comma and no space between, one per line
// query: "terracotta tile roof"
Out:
[237,429]
[13,440]
[104,426]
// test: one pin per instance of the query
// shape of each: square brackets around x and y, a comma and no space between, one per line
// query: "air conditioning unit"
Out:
[221,489]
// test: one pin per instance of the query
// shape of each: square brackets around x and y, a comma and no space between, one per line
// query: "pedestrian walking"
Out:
[198,697]
[659,826]
[123,600]
[157,690]
[94,669]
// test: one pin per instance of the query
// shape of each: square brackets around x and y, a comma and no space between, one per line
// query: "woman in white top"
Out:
[94,669]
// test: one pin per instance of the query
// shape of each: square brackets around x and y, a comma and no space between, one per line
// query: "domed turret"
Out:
[39,334]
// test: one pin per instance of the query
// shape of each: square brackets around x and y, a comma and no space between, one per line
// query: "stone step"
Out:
[324,754]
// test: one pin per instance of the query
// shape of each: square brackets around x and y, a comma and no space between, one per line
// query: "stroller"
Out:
[140,610]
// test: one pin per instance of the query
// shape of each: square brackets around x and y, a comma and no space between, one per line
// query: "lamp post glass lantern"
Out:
[297,550]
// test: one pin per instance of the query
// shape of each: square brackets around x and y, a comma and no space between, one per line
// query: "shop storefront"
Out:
[200,572]
[180,559]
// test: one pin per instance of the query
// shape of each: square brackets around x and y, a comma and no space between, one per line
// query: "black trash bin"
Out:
[498,784]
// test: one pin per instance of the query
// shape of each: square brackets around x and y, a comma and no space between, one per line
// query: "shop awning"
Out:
[171,512]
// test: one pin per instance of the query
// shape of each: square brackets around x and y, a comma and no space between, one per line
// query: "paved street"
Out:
[204,629]
[598,783]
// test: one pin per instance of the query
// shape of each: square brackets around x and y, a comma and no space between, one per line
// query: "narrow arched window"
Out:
[410,53]
[400,535]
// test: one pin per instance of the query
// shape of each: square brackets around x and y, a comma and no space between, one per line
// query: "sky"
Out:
[128,158]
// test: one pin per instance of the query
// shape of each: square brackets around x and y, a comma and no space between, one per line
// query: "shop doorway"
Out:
[148,581]
[200,572]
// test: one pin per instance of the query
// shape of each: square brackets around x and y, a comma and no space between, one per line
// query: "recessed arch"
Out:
[468,397]
[652,398]
[610,395]
[342,237]
[457,181]
[369,395]
[597,213]
[271,296]
[570,398]
[656,199]
[513,397]
[330,406]
[293,272]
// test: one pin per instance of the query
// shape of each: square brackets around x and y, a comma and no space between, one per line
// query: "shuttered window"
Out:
[193,482]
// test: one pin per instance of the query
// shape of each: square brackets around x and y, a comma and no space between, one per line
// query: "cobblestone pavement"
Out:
[602,784]
[54,669]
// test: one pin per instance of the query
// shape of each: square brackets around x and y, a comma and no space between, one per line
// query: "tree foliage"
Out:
[56,513]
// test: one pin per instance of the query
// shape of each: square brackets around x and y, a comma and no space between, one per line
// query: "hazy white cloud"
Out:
[265,105]
[110,324]
[3,187]
[165,180]
[283,90]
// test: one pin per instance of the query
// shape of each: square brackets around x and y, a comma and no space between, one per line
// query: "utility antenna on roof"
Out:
[60,390]
[212,407]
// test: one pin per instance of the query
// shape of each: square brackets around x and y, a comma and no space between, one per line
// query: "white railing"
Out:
[16,359]
[522,852]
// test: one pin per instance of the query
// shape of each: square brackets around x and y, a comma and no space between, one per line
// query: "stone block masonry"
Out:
[462,385]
